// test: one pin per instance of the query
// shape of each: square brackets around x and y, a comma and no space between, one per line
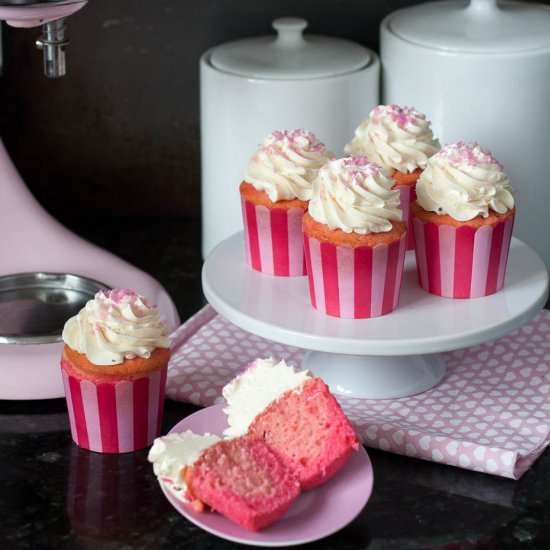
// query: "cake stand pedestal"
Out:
[386,357]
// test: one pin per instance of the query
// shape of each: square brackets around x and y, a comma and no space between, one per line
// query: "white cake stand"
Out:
[392,356]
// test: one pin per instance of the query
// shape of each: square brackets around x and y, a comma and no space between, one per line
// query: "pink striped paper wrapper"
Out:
[407,195]
[273,239]
[462,262]
[115,418]
[354,283]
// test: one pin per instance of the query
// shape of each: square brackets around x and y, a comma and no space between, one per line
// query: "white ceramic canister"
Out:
[251,87]
[480,70]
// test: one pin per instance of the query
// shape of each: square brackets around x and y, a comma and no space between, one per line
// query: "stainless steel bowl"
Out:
[35,306]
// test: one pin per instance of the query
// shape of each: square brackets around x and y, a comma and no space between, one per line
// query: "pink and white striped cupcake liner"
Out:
[354,283]
[273,239]
[462,262]
[115,418]
[407,195]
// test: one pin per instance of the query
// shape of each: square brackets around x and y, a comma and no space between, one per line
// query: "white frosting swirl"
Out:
[286,165]
[251,391]
[394,137]
[464,181]
[355,195]
[114,326]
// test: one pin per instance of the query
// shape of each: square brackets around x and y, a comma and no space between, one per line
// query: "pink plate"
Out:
[314,515]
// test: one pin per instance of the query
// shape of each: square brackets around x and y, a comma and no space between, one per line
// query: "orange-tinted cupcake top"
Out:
[130,369]
[322,233]
[444,219]
[409,178]
[257,197]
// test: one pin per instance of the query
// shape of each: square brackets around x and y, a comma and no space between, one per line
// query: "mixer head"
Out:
[50,14]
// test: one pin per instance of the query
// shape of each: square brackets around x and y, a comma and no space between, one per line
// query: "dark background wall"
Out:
[119,135]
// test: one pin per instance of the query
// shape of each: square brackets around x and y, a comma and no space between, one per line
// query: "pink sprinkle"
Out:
[301,133]
[360,165]
[280,140]
[117,296]
[402,116]
[470,154]
[355,160]
[278,135]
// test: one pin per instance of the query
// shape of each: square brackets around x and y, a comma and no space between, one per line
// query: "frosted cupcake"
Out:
[274,195]
[400,140]
[463,220]
[114,367]
[355,241]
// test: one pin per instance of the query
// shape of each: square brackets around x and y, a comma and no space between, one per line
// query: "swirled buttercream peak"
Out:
[116,325]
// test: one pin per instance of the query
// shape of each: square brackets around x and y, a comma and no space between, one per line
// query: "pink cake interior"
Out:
[308,431]
[242,479]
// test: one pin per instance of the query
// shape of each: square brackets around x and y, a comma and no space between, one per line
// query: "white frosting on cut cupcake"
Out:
[253,390]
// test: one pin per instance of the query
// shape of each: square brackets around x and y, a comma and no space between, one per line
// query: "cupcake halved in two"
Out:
[354,240]
[274,196]
[400,140]
[287,433]
[463,220]
[114,367]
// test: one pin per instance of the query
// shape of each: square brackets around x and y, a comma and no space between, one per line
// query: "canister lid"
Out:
[290,55]
[477,26]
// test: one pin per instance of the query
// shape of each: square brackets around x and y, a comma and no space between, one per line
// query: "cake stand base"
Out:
[376,377]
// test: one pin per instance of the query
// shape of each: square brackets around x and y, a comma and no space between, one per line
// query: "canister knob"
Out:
[289,31]
[482,6]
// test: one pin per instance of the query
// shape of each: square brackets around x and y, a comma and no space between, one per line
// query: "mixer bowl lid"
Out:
[477,26]
[290,55]
[35,306]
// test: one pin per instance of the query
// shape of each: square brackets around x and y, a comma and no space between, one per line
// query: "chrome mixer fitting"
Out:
[52,42]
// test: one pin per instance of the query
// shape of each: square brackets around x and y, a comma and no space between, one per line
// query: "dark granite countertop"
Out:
[56,495]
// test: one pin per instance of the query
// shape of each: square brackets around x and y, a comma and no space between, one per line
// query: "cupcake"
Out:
[354,240]
[114,367]
[463,220]
[400,140]
[274,196]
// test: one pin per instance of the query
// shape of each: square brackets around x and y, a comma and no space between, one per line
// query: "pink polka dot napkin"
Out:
[490,413]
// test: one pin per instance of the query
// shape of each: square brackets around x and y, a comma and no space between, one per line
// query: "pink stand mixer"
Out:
[47,273]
